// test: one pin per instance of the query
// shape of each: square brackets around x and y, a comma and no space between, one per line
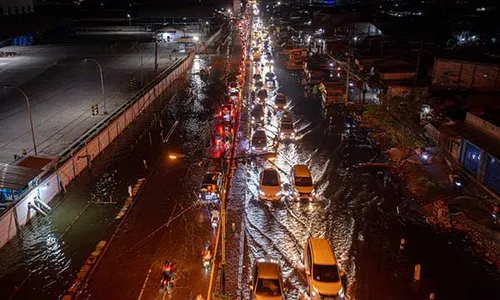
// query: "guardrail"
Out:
[92,132]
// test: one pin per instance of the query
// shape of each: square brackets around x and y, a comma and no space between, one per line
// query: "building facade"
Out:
[16,7]
[465,75]
[475,145]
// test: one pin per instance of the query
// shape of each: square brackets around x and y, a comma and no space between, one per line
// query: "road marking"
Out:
[144,285]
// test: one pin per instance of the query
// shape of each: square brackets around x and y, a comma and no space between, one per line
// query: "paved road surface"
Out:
[62,87]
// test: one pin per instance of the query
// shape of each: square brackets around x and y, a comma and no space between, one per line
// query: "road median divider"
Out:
[84,271]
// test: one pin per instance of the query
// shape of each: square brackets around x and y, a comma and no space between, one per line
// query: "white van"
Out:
[302,183]
[322,271]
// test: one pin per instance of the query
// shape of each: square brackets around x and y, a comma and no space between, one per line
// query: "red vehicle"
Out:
[226,113]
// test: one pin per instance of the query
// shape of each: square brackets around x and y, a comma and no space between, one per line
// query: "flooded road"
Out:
[358,210]
[43,261]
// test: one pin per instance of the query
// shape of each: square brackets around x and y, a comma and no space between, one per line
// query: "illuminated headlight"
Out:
[253,147]
[199,196]
[313,192]
[264,149]
[261,193]
[262,118]
[285,107]
[276,106]
[293,134]
[278,193]
[314,294]
[253,122]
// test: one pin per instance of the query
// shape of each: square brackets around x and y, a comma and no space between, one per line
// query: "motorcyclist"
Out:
[206,253]
[168,270]
[215,216]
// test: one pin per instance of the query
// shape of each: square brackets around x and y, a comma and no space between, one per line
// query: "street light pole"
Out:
[29,113]
[102,83]
[346,98]
[129,20]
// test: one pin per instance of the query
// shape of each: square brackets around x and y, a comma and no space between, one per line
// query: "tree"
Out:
[399,118]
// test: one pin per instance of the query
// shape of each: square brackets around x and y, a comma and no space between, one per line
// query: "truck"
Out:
[332,92]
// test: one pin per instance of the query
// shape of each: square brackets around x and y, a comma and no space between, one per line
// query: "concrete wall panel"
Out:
[66,173]
[7,227]
[93,148]
[104,139]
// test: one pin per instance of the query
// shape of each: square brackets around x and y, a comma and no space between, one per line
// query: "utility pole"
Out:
[346,97]
[418,64]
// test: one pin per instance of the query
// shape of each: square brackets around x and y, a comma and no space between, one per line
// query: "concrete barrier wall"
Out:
[20,214]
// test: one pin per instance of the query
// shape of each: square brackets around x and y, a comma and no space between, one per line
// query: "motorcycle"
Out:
[206,258]
[215,222]
[166,282]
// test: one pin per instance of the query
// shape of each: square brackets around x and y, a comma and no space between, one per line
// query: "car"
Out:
[270,75]
[233,87]
[226,113]
[234,94]
[270,185]
[280,102]
[270,83]
[258,85]
[259,141]
[262,95]
[258,115]
[257,77]
[322,271]
[302,183]
[266,281]
[287,131]
[233,99]
[211,187]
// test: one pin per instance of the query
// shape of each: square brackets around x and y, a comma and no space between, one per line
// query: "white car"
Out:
[259,141]
[270,185]
[266,281]
[287,131]
[280,102]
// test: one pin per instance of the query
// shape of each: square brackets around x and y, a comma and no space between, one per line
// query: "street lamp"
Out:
[29,113]
[129,20]
[196,38]
[102,83]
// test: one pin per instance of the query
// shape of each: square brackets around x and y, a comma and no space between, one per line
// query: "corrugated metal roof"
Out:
[15,177]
